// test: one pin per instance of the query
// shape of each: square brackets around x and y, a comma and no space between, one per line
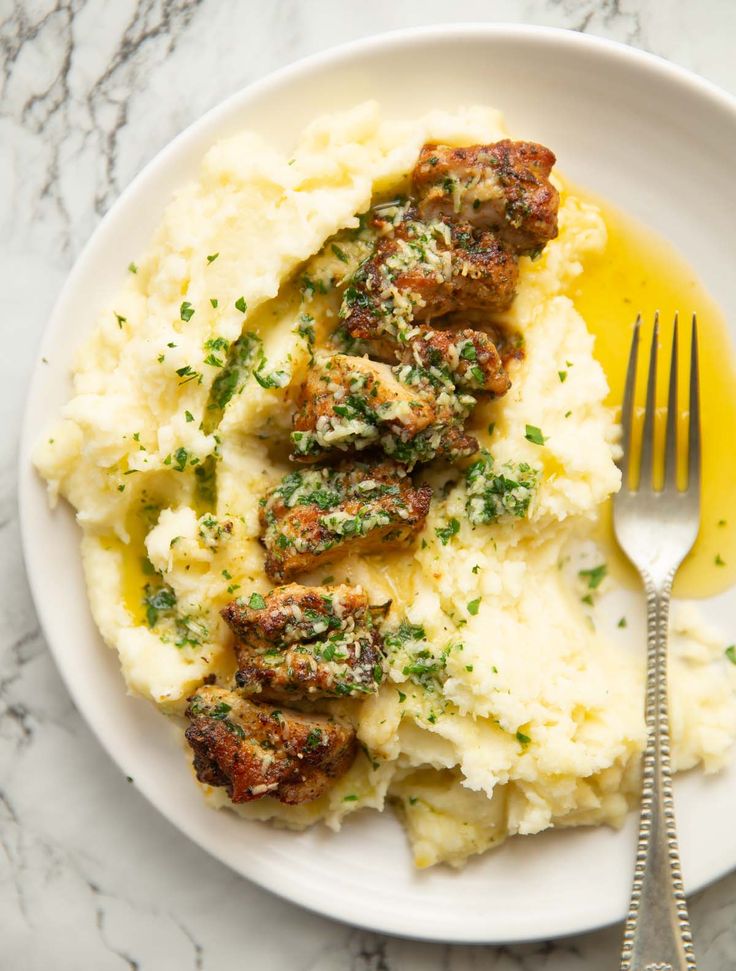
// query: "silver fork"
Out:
[657,528]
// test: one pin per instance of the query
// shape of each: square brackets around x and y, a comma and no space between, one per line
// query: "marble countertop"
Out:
[90,875]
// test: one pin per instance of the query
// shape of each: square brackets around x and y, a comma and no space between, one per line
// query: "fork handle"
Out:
[657,932]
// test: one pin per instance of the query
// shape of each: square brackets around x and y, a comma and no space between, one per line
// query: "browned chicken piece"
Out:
[503,187]
[294,613]
[307,642]
[468,357]
[418,271]
[257,750]
[343,665]
[508,343]
[351,403]
[315,516]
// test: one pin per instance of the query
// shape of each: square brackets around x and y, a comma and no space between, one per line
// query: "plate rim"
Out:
[332,56]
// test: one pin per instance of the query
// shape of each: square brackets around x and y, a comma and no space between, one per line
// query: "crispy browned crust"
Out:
[294,613]
[470,356]
[503,186]
[254,750]
[485,272]
[457,443]
[299,538]
[308,643]
[482,273]
[381,387]
[427,425]
[508,343]
[295,673]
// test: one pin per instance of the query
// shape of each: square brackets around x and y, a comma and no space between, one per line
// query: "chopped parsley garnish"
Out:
[216,344]
[534,435]
[305,328]
[231,380]
[214,301]
[406,632]
[340,254]
[132,268]
[158,601]
[355,298]
[719,561]
[495,494]
[595,576]
[310,287]
[186,311]
[562,375]
[473,606]
[731,653]
[351,798]
[314,739]
[189,416]
[274,379]
[256,602]
[120,319]
[241,305]
[180,459]
[522,739]
[189,374]
[408,648]
[212,257]
[445,533]
[622,623]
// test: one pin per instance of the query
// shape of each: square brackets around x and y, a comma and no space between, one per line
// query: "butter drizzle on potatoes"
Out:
[533,726]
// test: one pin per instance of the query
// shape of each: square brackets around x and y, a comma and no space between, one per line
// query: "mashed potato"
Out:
[531,718]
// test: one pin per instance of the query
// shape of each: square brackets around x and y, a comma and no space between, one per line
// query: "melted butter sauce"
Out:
[640,272]
[134,575]
[137,571]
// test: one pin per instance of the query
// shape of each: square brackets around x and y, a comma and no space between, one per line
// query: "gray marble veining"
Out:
[90,876]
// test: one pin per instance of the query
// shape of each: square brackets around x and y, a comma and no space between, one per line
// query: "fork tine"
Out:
[627,409]
[647,438]
[670,448]
[693,447]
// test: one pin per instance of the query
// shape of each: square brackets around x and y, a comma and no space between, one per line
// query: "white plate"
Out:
[657,141]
